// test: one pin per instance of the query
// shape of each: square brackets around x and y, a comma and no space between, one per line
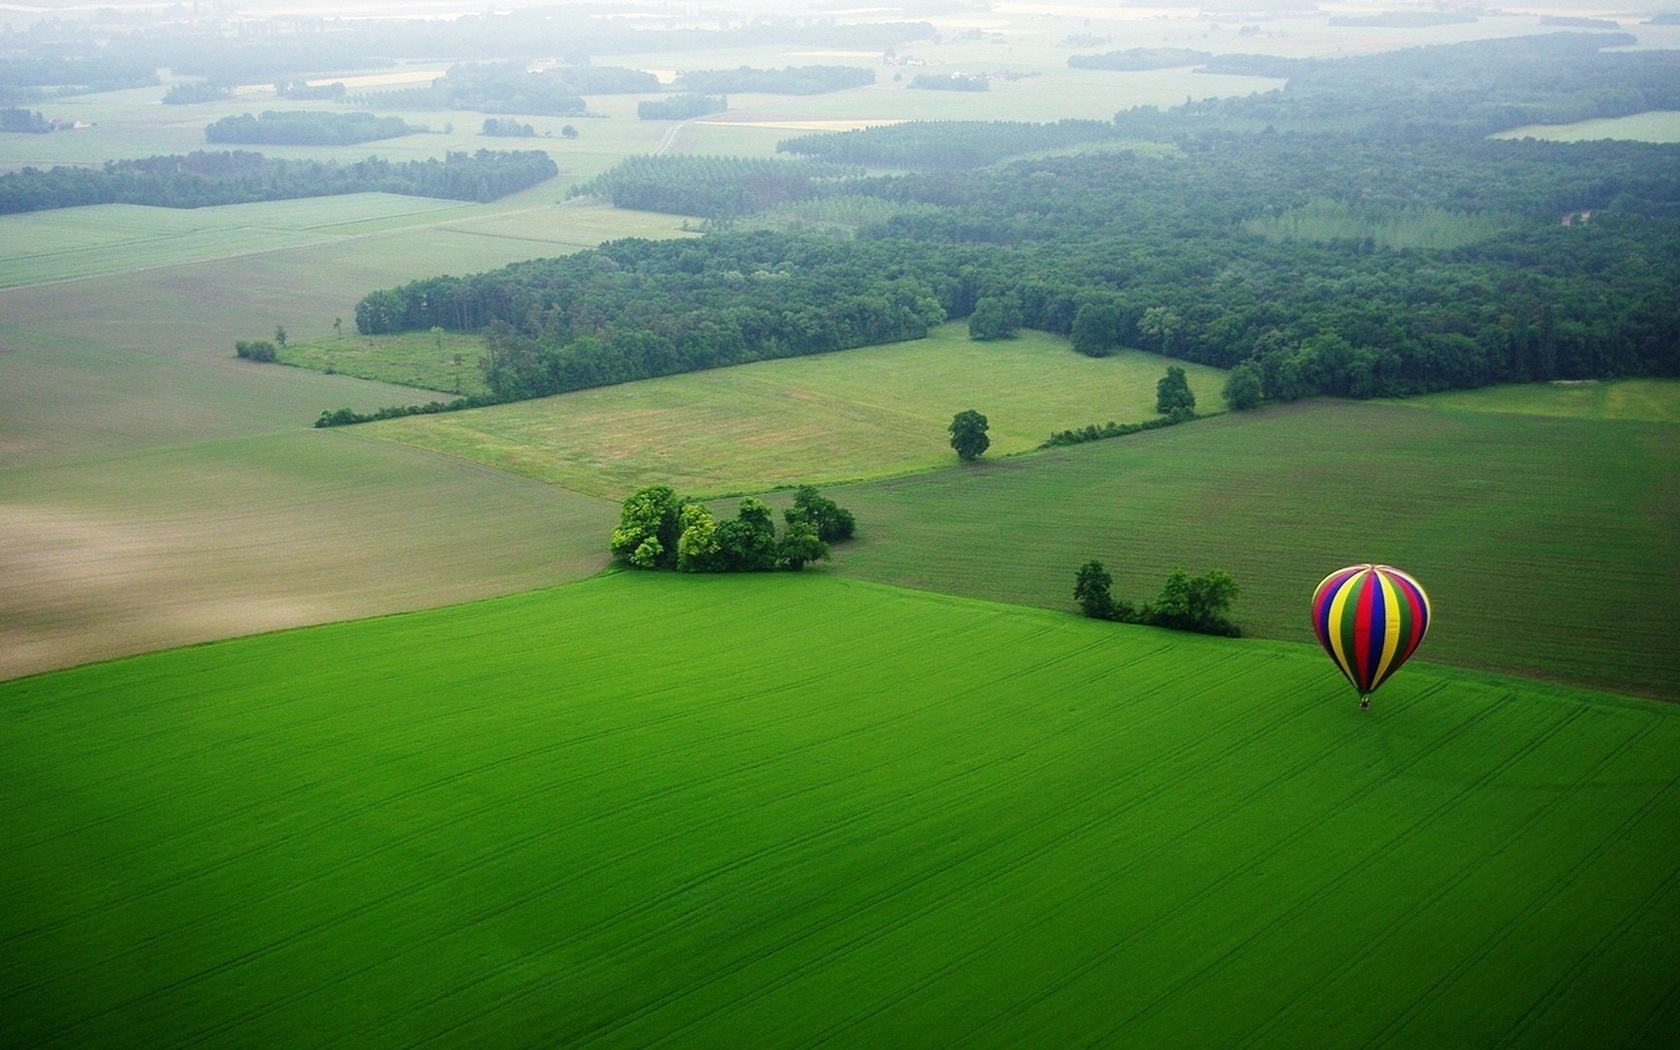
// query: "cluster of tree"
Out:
[951,82]
[260,350]
[190,92]
[792,80]
[304,91]
[306,128]
[198,179]
[657,529]
[1186,603]
[510,87]
[712,187]
[680,107]
[1140,58]
[507,127]
[23,120]
[944,145]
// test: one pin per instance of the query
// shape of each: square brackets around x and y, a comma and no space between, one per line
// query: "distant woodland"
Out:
[198,179]
[1375,246]
[106,55]
[305,128]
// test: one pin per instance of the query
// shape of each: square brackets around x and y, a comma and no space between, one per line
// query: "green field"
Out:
[830,417]
[1655,126]
[1544,541]
[841,814]
[442,361]
[1641,400]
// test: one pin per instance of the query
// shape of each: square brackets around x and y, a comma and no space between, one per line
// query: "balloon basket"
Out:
[1364,703]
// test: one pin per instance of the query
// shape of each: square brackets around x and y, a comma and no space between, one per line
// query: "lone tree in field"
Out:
[968,435]
[1172,394]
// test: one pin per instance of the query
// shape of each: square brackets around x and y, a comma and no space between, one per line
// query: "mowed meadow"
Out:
[843,416]
[800,810]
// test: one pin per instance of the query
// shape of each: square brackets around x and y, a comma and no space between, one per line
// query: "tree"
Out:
[1242,387]
[801,544]
[568,132]
[647,531]
[1159,324]
[1172,394]
[338,328]
[994,317]
[831,521]
[748,543]
[280,337]
[1091,590]
[697,546]
[968,435]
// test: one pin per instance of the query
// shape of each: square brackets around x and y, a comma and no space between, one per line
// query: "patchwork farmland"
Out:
[429,771]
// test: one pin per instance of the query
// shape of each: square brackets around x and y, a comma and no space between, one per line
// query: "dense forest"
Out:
[198,179]
[305,128]
[1319,262]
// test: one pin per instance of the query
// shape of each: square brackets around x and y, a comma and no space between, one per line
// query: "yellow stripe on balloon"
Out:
[1338,606]
[1391,625]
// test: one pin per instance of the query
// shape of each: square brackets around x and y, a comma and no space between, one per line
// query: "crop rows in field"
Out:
[857,413]
[1540,539]
[825,812]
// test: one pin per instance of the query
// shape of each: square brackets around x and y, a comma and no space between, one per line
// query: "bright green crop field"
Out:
[1546,542]
[861,413]
[802,810]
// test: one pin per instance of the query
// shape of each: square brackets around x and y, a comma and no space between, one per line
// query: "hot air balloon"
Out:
[1370,619]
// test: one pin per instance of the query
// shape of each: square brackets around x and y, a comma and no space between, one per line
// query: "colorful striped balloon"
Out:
[1370,619]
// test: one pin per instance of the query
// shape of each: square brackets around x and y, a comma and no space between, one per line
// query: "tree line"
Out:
[306,128]
[198,179]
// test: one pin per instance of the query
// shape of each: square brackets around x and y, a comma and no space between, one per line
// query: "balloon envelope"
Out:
[1370,619]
